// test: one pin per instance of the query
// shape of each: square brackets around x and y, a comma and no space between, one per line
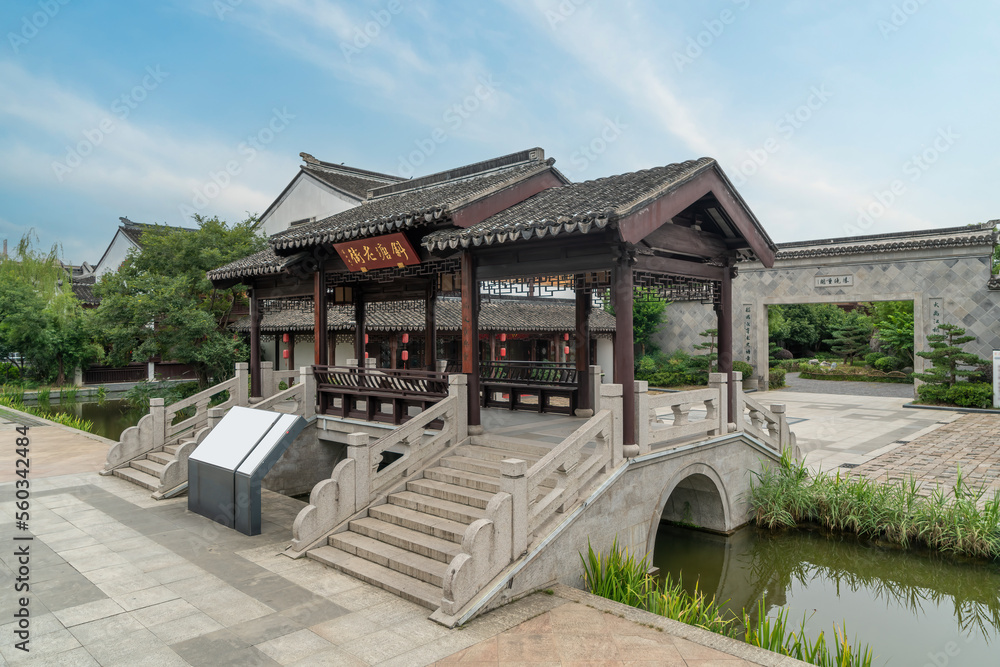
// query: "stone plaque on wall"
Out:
[846,280]
[937,312]
[747,326]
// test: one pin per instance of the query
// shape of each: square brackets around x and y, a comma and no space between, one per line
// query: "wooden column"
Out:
[359,327]
[291,350]
[277,350]
[470,335]
[255,317]
[430,328]
[724,313]
[583,400]
[320,333]
[393,349]
[625,346]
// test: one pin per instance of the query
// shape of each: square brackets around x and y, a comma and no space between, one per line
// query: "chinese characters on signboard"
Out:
[835,281]
[937,312]
[747,322]
[378,252]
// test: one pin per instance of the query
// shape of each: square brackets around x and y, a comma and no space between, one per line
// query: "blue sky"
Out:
[833,118]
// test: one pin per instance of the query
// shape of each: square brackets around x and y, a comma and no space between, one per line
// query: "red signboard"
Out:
[378,252]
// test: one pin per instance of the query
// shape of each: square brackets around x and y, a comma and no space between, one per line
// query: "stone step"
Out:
[512,445]
[138,477]
[411,564]
[404,538]
[149,467]
[447,509]
[450,492]
[469,480]
[494,454]
[478,466]
[446,529]
[161,457]
[397,583]
[172,449]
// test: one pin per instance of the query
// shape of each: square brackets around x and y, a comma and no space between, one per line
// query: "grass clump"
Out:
[964,521]
[620,577]
[13,397]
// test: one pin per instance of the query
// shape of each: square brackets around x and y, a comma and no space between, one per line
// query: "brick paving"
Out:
[844,388]
[970,443]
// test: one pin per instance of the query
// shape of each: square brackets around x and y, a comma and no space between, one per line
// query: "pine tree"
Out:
[849,340]
[712,354]
[947,356]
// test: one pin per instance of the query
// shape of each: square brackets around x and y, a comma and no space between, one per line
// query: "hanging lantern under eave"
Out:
[566,350]
[503,352]
[565,336]
[406,355]
[366,341]
[284,339]
[406,339]
[284,354]
[366,355]
[503,338]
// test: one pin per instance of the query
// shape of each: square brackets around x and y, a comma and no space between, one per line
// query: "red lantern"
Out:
[406,355]
[366,341]
[566,350]
[566,336]
[406,339]
[366,355]
[503,352]
[284,354]
[503,338]
[284,339]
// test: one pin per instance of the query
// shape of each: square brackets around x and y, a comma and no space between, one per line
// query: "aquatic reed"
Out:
[13,397]
[964,521]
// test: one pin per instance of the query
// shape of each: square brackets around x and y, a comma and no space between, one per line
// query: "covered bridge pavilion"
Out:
[513,224]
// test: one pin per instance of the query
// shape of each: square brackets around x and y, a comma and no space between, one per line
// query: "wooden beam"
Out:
[686,241]
[638,225]
[624,366]
[320,329]
[491,205]
[679,267]
[255,317]
[470,334]
[284,291]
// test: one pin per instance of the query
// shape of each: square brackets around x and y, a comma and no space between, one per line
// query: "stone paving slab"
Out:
[971,443]
[846,387]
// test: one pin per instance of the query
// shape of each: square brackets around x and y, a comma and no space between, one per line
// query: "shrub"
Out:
[777,378]
[783,355]
[933,393]
[743,367]
[646,365]
[9,373]
[872,357]
[971,395]
[886,364]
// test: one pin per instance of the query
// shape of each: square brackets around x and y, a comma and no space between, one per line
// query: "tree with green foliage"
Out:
[806,326]
[947,357]
[896,332]
[161,304]
[712,355]
[851,338]
[44,329]
[648,316]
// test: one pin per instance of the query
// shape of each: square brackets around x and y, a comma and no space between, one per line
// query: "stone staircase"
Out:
[147,471]
[405,545]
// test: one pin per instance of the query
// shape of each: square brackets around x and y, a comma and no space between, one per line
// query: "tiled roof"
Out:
[416,202]
[498,315]
[260,263]
[349,179]
[134,230]
[577,207]
[84,291]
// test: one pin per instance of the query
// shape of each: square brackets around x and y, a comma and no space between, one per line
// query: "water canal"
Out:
[912,608]
[110,417]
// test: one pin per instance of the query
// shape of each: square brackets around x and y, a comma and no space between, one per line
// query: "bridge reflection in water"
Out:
[909,606]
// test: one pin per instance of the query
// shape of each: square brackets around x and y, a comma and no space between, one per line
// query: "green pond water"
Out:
[912,608]
[110,418]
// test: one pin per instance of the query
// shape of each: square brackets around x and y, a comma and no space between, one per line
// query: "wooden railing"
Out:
[401,389]
[506,383]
